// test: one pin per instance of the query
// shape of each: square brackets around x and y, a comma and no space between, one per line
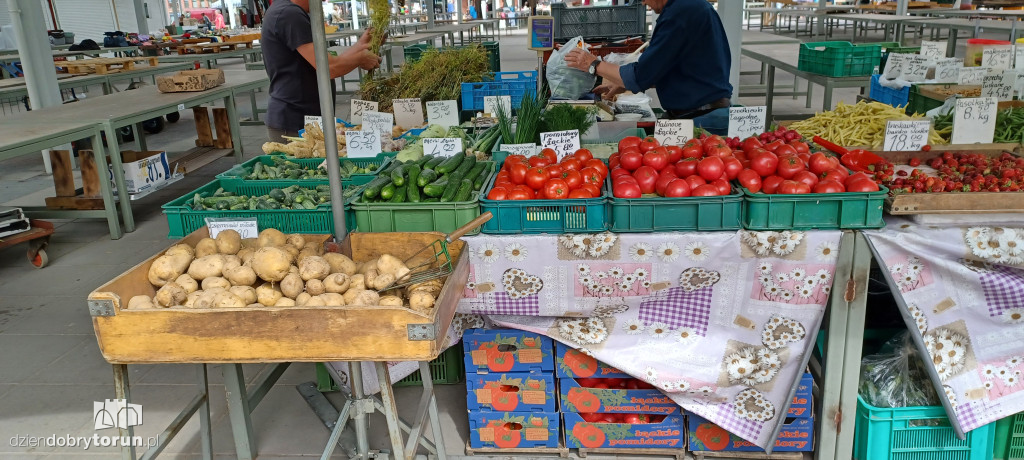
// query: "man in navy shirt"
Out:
[687,61]
[287,43]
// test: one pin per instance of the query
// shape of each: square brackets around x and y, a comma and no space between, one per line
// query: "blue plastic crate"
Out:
[513,84]
[886,95]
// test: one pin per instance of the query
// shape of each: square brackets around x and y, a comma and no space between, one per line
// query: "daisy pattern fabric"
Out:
[964,292]
[721,322]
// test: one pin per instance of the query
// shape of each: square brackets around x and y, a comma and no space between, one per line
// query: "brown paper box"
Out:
[534,397]
[535,434]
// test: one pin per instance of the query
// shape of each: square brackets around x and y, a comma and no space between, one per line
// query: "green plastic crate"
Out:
[825,211]
[692,213]
[413,53]
[574,215]
[839,59]
[419,217]
[1009,443]
[447,369]
[182,220]
[235,174]
[915,433]
[919,103]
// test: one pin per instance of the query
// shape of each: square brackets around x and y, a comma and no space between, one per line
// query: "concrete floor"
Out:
[50,366]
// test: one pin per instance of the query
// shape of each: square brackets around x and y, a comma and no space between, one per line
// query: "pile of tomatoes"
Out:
[702,167]
[790,168]
[955,172]
[632,419]
[543,177]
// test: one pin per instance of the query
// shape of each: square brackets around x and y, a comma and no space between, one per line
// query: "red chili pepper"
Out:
[829,145]
[859,160]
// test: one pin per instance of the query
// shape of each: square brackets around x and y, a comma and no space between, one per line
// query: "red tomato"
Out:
[631,160]
[554,171]
[751,143]
[677,188]
[598,165]
[556,189]
[732,167]
[502,173]
[836,174]
[646,176]
[819,163]
[785,149]
[687,167]
[723,186]
[594,190]
[801,147]
[705,190]
[572,178]
[829,186]
[536,177]
[636,419]
[592,176]
[710,168]
[856,177]
[498,193]
[693,149]
[770,184]
[771,146]
[550,154]
[504,183]
[583,155]
[750,179]
[695,181]
[613,161]
[571,163]
[517,173]
[648,143]
[632,383]
[720,149]
[764,163]
[789,166]
[618,179]
[675,152]
[657,158]
[860,185]
[626,190]
[664,178]
[592,417]
[627,142]
[538,161]
[792,187]
[520,192]
[806,177]
[512,159]
[580,193]
[619,172]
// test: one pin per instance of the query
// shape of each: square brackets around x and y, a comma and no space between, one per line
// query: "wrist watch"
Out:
[593,66]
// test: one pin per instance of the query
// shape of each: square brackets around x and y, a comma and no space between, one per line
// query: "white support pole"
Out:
[731,13]
[36,57]
[901,7]
[355,15]
[140,16]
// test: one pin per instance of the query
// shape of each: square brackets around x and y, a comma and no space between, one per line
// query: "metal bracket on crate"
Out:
[101,307]
[420,332]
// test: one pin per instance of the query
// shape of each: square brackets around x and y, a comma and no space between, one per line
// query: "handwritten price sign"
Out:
[442,147]
[747,121]
[933,50]
[905,136]
[408,112]
[673,132]
[362,144]
[999,86]
[380,122]
[526,150]
[998,57]
[563,142]
[491,105]
[915,68]
[947,70]
[357,109]
[894,65]
[974,120]
[444,113]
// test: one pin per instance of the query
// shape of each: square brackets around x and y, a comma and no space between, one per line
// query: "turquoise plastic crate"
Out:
[915,433]
[513,84]
[579,215]
[182,219]
[823,211]
[1010,438]
[839,59]
[235,174]
[660,214]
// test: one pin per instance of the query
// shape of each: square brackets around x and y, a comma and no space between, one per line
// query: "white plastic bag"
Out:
[622,58]
[567,82]
[634,103]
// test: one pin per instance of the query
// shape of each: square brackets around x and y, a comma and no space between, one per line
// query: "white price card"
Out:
[525,150]
[381,122]
[915,68]
[999,86]
[998,57]
[442,147]
[408,112]
[313,119]
[246,228]
[358,107]
[894,65]
[444,113]
[906,135]
[1018,83]
[362,144]
[971,75]
[947,70]
[747,121]
[491,105]
[673,132]
[1018,58]
[974,120]
[562,142]
[933,50]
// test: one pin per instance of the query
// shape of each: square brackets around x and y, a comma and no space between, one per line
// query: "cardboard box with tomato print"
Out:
[802,406]
[512,392]
[577,398]
[797,435]
[668,433]
[507,350]
[572,363]
[506,430]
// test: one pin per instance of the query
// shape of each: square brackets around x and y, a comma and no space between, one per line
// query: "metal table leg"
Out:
[109,205]
[122,391]
[236,127]
[140,136]
[770,92]
[119,182]
[827,96]
[238,411]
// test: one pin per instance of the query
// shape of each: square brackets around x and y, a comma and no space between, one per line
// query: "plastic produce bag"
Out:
[622,58]
[567,82]
[634,103]
[896,376]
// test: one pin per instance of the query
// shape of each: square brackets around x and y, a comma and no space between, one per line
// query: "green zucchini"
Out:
[373,188]
[450,164]
[465,188]
[400,193]
[388,192]
[436,188]
[426,176]
[413,190]
[398,175]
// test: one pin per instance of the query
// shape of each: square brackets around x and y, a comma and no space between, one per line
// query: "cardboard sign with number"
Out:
[442,147]
[562,142]
[1018,58]
[997,57]
[915,68]
[947,70]
[933,50]
[673,132]
[894,65]
[381,122]
[906,135]
[525,150]
[974,120]
[246,228]
[444,113]
[1018,83]
[999,86]
[358,107]
[971,75]
[362,144]
[747,121]
[491,105]
[313,119]
[408,112]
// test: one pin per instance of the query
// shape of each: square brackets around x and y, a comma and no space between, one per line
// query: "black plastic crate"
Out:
[599,22]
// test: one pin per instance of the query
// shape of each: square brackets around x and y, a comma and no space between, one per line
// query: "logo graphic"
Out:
[116,413]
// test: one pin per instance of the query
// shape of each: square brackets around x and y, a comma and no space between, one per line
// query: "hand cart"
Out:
[37,236]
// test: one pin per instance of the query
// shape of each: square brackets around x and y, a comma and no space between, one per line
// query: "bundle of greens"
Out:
[380,19]
[526,123]
[563,117]
[436,76]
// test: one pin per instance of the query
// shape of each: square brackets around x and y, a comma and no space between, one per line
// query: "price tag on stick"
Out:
[408,112]
[444,113]
[381,122]
[673,132]
[358,107]
[997,57]
[362,144]
[442,147]
[563,142]
[906,136]
[526,150]
[974,120]
[491,105]
[947,70]
[933,50]
[747,121]
[999,86]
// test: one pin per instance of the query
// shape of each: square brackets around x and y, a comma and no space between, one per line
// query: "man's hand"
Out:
[609,90]
[579,59]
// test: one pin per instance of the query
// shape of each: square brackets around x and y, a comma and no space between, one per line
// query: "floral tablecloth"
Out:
[962,291]
[722,322]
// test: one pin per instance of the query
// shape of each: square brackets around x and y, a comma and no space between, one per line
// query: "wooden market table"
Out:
[894,25]
[974,26]
[253,54]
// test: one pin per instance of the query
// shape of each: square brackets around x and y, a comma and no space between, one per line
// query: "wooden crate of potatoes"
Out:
[214,325]
[103,65]
[205,48]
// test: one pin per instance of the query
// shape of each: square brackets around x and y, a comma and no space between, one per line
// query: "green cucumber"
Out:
[433,162]
[400,193]
[373,188]
[413,190]
[436,188]
[426,176]
[477,170]
[388,192]
[466,166]
[478,182]
[454,180]
[450,164]
[398,176]
[465,188]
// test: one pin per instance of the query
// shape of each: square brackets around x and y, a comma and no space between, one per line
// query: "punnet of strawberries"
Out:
[953,172]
